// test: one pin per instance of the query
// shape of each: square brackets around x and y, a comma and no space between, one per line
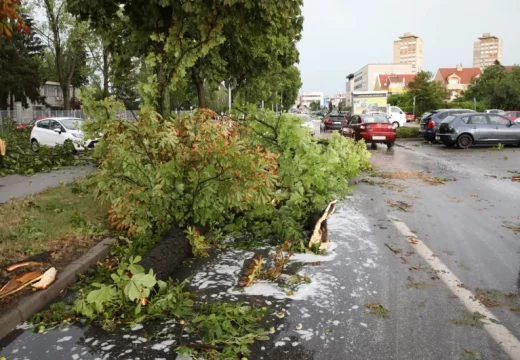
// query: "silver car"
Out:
[469,129]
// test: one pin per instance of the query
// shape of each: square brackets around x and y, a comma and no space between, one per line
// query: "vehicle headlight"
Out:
[78,135]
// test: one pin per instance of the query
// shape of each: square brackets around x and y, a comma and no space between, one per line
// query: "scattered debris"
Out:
[469,319]
[464,266]
[320,233]
[366,181]
[37,259]
[473,195]
[491,176]
[413,241]
[416,175]
[471,355]
[419,285]
[47,278]
[298,326]
[401,205]
[280,314]
[515,228]
[394,250]
[515,178]
[488,298]
[495,321]
[377,309]
[20,282]
[409,253]
[404,260]
[253,272]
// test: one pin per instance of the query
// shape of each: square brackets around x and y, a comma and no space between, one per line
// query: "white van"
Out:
[396,115]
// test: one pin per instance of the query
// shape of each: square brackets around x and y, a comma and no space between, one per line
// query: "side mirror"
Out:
[58,130]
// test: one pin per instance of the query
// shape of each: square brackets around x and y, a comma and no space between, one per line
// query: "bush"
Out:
[407,132]
[20,159]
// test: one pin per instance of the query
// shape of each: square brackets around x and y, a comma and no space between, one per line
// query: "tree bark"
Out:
[199,84]
[106,70]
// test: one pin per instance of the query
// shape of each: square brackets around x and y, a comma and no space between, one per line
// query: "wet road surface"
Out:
[459,223]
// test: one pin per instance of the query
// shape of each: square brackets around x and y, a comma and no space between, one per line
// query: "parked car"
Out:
[410,117]
[397,116]
[495,111]
[512,115]
[429,125]
[31,123]
[373,128]
[465,130]
[333,121]
[55,131]
[307,122]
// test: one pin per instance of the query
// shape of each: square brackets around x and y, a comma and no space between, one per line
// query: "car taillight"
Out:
[431,124]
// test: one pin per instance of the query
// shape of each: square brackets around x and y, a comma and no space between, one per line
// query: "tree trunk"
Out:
[11,101]
[106,70]
[169,253]
[65,88]
[199,84]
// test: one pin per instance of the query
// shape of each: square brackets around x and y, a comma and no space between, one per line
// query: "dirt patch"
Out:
[411,283]
[401,205]
[415,175]
[469,319]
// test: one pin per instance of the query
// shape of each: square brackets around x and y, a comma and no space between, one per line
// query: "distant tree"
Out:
[20,61]
[314,106]
[496,87]
[429,94]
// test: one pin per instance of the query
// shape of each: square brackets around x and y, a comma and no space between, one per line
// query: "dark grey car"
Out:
[478,128]
[429,125]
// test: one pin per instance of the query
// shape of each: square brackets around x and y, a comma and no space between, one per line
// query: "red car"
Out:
[410,117]
[374,128]
[512,115]
[31,124]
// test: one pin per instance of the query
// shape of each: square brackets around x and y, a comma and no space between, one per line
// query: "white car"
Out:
[396,116]
[55,131]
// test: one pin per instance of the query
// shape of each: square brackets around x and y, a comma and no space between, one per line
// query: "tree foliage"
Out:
[314,106]
[11,21]
[497,88]
[429,94]
[20,61]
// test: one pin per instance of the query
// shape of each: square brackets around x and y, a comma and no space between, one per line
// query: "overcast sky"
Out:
[341,36]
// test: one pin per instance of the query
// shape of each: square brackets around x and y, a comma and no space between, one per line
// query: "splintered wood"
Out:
[320,234]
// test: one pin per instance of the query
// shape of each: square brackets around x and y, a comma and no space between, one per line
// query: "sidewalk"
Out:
[16,186]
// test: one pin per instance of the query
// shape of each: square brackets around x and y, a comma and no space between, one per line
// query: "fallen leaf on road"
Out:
[394,250]
[472,355]
[404,260]
[377,309]
[491,176]
[408,253]
[488,298]
[473,195]
[413,241]
[401,205]
[515,228]
[515,178]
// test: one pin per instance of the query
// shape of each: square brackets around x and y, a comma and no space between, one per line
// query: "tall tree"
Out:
[66,40]
[172,35]
[20,59]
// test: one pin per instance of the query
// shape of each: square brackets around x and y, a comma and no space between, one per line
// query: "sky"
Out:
[342,36]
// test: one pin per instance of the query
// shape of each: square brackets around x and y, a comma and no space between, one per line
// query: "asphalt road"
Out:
[16,186]
[451,243]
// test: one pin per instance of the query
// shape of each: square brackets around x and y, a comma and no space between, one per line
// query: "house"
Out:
[54,95]
[393,83]
[457,79]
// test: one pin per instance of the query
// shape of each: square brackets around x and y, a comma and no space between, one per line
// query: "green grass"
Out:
[407,132]
[67,219]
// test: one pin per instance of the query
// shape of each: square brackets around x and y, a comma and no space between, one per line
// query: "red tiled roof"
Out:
[465,74]
[386,80]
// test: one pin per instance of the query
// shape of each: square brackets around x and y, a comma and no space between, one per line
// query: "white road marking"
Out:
[507,341]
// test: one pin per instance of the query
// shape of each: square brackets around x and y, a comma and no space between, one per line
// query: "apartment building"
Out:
[487,50]
[409,50]
[365,78]
[308,97]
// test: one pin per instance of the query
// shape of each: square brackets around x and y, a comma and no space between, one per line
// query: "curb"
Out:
[39,300]
[409,139]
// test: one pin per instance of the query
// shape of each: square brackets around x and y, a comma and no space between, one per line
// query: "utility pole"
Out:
[229,97]
[281,101]
[414,107]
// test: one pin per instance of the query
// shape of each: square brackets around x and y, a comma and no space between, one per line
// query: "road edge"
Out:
[39,300]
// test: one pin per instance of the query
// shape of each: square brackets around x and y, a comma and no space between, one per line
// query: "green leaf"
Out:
[140,283]
[101,296]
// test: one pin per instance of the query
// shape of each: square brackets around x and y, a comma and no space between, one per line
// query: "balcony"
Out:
[456,87]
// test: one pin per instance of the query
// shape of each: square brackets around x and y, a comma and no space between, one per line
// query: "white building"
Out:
[308,97]
[365,78]
[335,99]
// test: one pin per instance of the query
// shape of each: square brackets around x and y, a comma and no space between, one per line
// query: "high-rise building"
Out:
[409,50]
[487,50]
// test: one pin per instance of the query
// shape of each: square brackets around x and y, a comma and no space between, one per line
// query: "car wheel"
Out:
[35,146]
[373,146]
[390,144]
[396,124]
[464,141]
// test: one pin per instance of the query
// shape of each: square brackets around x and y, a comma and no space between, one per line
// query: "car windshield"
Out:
[375,118]
[72,124]
[448,119]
